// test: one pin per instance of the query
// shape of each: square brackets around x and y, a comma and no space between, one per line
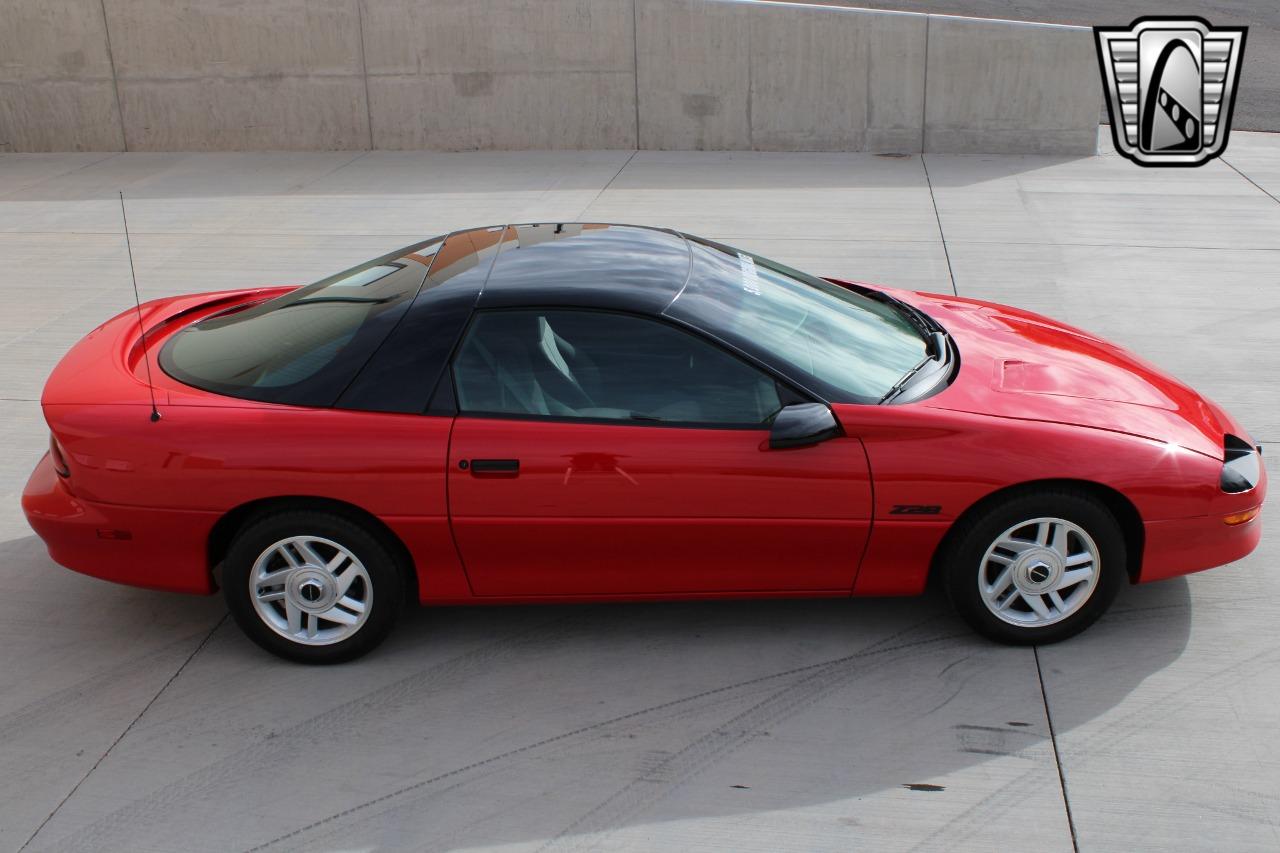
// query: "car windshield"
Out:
[843,342]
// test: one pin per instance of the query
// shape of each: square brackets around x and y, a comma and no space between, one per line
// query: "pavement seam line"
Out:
[924,94]
[1057,760]
[635,63]
[115,78]
[147,707]
[364,71]
[938,217]
[606,186]
[1250,180]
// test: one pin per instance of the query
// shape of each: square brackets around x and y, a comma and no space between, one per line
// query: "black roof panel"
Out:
[624,267]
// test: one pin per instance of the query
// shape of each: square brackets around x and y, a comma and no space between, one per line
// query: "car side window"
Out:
[603,366]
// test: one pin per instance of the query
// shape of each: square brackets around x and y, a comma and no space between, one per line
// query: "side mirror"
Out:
[802,424]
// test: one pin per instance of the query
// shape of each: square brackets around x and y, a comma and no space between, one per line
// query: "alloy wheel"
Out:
[1039,572]
[311,590]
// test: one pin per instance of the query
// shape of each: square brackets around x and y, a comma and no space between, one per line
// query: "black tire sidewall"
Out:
[964,558]
[384,576]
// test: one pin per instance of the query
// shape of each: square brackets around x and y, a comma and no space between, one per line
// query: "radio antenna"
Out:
[137,303]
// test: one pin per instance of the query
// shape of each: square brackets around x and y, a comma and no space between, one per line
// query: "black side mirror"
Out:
[802,424]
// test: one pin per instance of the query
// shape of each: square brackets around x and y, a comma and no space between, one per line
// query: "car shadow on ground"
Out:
[549,725]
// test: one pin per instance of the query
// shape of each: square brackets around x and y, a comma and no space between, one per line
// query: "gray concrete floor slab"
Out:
[132,720]
[1257,157]
[1185,760]
[1099,201]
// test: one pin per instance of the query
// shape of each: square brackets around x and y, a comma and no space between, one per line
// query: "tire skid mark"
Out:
[127,729]
[69,701]
[388,805]
[1248,812]
[264,754]
[735,733]
[650,718]
[808,673]
[960,828]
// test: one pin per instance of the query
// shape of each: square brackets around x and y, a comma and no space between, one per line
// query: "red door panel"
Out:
[618,509]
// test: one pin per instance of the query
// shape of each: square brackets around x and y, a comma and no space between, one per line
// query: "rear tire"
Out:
[312,587]
[1036,568]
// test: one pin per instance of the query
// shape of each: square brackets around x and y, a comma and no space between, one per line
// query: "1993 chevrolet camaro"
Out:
[589,412]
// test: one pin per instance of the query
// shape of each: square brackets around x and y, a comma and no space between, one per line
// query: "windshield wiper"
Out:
[938,343]
[935,350]
[916,317]
[923,323]
[906,377]
[934,335]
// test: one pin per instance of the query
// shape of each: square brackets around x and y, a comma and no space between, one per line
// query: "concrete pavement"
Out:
[132,720]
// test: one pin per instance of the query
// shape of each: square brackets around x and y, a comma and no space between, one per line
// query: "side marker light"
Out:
[1241,517]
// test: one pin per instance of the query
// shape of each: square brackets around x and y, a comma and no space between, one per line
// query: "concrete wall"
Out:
[57,86]
[238,74]
[459,74]
[778,77]
[1008,88]
[155,75]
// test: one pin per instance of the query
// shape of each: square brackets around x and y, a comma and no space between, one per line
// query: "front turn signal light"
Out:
[1241,517]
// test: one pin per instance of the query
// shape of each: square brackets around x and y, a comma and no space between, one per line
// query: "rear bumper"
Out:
[157,549]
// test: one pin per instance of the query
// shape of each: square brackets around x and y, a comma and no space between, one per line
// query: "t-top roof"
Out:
[592,264]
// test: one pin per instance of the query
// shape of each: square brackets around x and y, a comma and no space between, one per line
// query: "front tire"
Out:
[1036,568]
[312,587]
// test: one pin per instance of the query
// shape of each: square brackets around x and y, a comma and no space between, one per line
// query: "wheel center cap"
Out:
[1038,571]
[311,590]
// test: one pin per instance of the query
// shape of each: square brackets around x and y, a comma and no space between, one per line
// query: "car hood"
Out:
[1017,364]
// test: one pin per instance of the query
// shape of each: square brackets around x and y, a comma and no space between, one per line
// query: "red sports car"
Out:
[589,412]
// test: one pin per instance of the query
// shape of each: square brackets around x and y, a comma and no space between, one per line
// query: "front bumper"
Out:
[1183,545]
[138,546]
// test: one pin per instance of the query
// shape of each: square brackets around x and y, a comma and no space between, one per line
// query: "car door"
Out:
[600,453]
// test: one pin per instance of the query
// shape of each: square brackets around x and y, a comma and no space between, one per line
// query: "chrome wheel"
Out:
[311,590]
[1039,572]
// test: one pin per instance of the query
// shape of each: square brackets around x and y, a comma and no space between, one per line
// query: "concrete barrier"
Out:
[501,73]
[152,75]
[238,74]
[1008,88]
[778,77]
[57,86]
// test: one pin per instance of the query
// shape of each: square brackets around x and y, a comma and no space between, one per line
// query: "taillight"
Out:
[55,453]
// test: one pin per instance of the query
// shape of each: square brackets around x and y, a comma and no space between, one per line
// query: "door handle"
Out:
[492,466]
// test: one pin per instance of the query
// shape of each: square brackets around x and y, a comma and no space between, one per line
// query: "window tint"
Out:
[835,340]
[304,347]
[583,364]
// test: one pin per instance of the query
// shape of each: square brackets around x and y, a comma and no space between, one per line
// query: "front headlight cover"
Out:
[1241,466]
